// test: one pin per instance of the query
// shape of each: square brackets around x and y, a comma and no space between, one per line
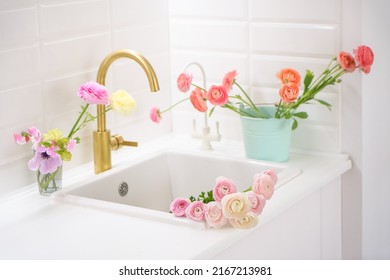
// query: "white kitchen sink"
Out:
[145,186]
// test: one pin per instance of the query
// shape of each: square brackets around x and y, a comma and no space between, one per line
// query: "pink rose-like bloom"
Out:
[364,57]
[155,114]
[46,160]
[35,134]
[272,174]
[21,139]
[289,92]
[184,82]
[197,99]
[289,76]
[178,206]
[346,61]
[196,211]
[71,144]
[214,216]
[249,220]
[228,80]
[217,95]
[235,205]
[223,186]
[258,202]
[93,93]
[264,184]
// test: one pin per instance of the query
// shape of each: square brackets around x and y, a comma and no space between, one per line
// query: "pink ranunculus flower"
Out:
[93,93]
[178,206]
[364,57]
[223,186]
[184,82]
[272,174]
[196,211]
[46,160]
[258,202]
[249,220]
[214,215]
[289,92]
[228,80]
[71,145]
[289,76]
[35,134]
[21,139]
[217,95]
[346,61]
[197,99]
[264,184]
[235,205]
[155,114]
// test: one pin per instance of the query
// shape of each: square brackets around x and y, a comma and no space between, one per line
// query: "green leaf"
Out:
[211,111]
[301,115]
[308,79]
[294,125]
[329,106]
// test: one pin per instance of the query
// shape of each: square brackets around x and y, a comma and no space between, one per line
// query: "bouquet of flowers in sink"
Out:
[52,148]
[225,206]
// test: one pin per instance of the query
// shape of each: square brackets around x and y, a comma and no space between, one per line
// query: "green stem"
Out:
[73,130]
[177,103]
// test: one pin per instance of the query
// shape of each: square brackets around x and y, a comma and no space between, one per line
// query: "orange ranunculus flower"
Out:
[289,76]
[197,99]
[289,92]
[346,61]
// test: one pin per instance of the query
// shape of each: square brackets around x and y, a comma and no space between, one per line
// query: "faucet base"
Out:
[102,150]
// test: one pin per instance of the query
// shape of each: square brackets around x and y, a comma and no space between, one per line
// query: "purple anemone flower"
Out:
[46,160]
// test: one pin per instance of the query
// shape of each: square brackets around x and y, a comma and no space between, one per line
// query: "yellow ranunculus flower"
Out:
[52,135]
[122,102]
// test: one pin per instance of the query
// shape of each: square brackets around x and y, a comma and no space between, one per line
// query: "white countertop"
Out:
[36,227]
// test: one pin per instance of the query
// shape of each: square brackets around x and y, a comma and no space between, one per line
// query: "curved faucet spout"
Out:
[102,140]
[102,72]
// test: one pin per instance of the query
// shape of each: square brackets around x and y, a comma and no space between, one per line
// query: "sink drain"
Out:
[123,188]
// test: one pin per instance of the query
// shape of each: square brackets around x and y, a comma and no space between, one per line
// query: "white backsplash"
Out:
[49,47]
[258,38]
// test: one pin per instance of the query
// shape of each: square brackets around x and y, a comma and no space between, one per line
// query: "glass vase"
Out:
[50,182]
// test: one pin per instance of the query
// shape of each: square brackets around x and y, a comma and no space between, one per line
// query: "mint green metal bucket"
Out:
[267,139]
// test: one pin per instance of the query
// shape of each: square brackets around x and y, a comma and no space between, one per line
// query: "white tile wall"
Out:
[48,48]
[258,38]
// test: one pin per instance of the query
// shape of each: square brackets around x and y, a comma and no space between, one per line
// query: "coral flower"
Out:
[364,57]
[217,95]
[197,99]
[346,61]
[289,76]
[229,79]
[184,82]
[289,92]
[93,93]
[46,160]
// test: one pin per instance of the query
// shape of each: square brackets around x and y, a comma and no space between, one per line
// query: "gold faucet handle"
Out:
[118,142]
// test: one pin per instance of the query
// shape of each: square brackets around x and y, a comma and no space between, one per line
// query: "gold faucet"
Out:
[102,140]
